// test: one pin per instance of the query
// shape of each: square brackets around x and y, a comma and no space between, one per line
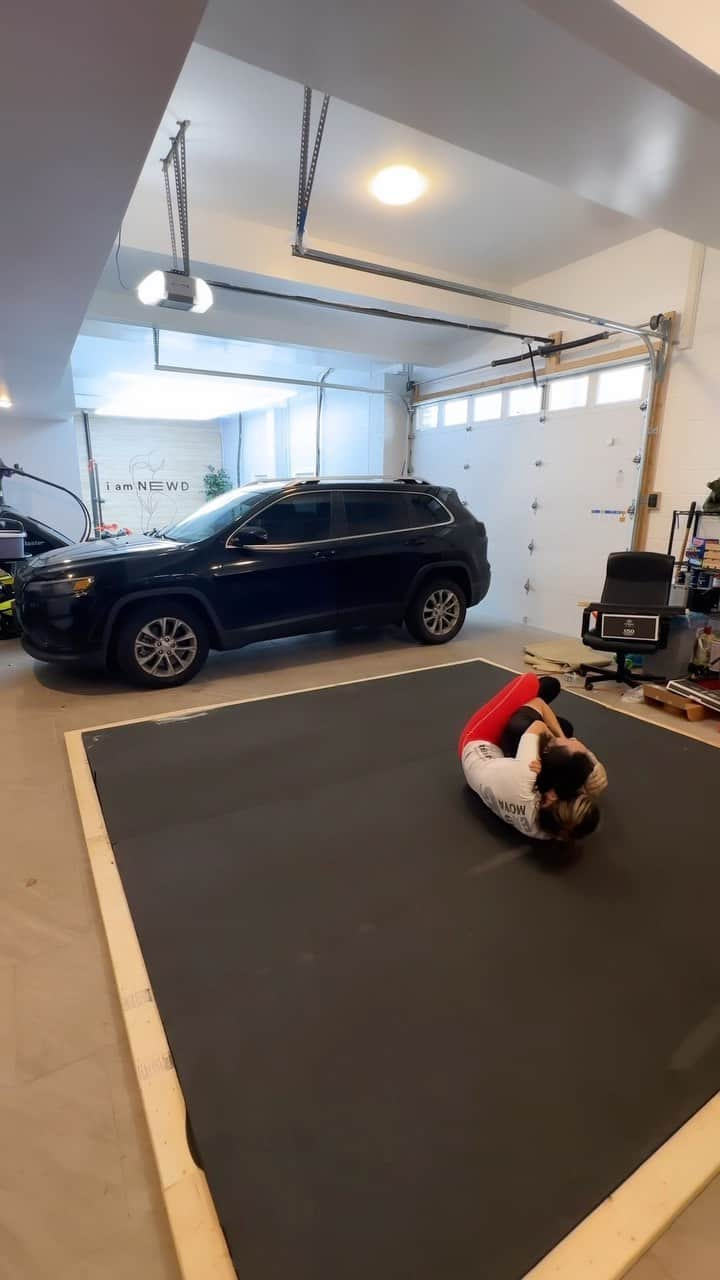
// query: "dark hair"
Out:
[568,820]
[563,771]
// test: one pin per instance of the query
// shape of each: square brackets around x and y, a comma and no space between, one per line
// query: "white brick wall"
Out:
[150,472]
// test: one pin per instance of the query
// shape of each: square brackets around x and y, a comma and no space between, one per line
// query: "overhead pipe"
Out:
[468,290]
[284,382]
[263,377]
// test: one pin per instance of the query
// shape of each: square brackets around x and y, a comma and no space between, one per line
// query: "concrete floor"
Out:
[78,1193]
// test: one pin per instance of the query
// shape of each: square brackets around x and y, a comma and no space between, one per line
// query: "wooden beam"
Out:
[652,448]
[553,362]
[568,366]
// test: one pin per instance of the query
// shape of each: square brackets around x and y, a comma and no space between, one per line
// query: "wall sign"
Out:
[150,473]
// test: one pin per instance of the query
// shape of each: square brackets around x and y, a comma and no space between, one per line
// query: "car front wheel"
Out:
[437,611]
[161,644]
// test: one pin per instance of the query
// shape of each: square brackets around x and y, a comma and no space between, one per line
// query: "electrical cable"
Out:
[9,472]
[117,261]
[381,313]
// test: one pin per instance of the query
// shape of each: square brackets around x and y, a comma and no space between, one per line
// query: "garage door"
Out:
[553,473]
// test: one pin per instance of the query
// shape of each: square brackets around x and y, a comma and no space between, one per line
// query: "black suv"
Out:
[266,560]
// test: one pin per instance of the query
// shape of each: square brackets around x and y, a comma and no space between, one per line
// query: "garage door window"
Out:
[487,408]
[616,385]
[375,512]
[569,393]
[455,413]
[427,416]
[301,519]
[525,400]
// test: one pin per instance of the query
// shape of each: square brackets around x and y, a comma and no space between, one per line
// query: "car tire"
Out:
[437,611]
[161,643]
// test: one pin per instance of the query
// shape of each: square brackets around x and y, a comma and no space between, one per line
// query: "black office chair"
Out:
[633,615]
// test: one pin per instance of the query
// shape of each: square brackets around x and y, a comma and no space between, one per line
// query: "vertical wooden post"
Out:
[649,464]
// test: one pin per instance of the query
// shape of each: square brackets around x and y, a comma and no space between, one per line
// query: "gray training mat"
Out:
[409,1049]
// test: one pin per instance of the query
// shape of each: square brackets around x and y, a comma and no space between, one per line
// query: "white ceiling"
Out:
[114,373]
[82,88]
[479,219]
[692,26]
[583,95]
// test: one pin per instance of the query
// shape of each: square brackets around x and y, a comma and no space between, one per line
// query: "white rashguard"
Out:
[506,784]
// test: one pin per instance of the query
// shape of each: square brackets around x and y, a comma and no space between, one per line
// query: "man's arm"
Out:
[528,750]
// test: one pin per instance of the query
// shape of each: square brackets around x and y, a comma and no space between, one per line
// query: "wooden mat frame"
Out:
[604,1246]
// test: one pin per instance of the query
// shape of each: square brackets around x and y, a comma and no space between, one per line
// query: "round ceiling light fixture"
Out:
[5,401]
[398,184]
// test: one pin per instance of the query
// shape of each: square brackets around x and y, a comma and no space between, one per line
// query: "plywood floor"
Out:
[79,1198]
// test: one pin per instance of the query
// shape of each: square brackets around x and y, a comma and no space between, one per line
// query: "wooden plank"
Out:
[652,448]
[567,366]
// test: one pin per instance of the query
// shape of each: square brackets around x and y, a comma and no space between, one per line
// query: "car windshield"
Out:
[229,509]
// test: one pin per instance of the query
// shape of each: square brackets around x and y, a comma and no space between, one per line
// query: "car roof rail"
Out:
[356,480]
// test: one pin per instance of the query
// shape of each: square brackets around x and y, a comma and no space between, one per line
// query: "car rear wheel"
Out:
[161,644]
[437,611]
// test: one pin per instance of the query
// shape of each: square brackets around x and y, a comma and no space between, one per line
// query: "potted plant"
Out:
[216,481]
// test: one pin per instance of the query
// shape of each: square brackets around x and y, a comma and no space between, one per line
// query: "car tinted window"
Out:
[375,512]
[424,509]
[305,518]
[220,512]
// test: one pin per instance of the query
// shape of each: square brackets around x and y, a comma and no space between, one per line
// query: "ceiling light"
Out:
[5,401]
[398,184]
[173,289]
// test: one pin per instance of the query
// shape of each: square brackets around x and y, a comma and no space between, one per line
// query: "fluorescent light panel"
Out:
[185,397]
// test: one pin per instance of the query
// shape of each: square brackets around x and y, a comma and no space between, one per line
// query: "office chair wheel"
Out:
[589,684]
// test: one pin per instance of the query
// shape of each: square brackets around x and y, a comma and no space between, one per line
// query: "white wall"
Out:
[282,441]
[150,472]
[48,449]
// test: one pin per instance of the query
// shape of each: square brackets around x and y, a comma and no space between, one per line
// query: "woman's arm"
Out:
[548,715]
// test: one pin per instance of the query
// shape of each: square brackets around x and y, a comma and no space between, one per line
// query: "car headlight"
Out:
[70,586]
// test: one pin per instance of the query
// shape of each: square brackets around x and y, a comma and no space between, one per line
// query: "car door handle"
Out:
[324,555]
[414,542]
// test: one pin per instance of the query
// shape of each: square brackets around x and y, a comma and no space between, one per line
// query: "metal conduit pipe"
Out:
[271,378]
[265,378]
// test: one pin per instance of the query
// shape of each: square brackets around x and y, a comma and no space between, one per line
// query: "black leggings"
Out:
[520,722]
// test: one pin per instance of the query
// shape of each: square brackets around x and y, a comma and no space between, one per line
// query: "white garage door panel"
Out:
[588,473]
[584,485]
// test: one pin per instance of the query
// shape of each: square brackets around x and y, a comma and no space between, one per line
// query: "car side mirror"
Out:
[248,536]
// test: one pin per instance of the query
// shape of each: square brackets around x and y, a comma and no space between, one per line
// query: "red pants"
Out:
[488,722]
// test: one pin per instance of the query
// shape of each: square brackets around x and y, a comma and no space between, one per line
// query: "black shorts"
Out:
[517,725]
